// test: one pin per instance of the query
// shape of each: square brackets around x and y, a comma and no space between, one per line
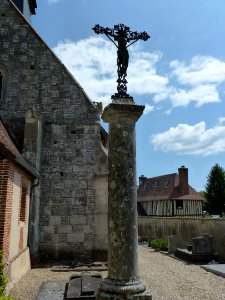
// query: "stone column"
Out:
[123,281]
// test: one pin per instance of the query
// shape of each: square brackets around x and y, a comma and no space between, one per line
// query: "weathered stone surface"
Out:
[123,280]
[52,290]
[122,217]
[174,242]
[83,287]
[71,156]
[203,244]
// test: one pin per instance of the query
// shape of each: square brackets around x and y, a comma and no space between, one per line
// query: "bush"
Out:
[6,298]
[3,280]
[159,244]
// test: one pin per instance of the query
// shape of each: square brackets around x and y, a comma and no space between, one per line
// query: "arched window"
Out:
[3,81]
[1,84]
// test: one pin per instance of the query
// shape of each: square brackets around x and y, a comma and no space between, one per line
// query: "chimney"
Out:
[183,180]
[142,179]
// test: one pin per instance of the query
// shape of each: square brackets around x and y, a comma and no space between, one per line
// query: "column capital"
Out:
[131,111]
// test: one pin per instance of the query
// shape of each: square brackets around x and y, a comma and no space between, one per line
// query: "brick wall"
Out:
[6,192]
[9,225]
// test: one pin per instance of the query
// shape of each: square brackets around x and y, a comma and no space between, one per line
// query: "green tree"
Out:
[215,191]
[202,193]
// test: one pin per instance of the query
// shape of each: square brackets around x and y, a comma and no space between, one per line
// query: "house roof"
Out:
[163,188]
[9,151]
[6,144]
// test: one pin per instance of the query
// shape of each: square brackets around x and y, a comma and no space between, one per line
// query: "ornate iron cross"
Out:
[122,37]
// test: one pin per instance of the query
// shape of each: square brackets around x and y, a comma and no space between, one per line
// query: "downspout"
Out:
[32,151]
[31,223]
[33,186]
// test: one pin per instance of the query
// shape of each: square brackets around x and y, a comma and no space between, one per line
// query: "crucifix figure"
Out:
[122,38]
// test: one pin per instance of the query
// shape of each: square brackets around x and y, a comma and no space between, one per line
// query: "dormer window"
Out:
[166,183]
[145,186]
[156,183]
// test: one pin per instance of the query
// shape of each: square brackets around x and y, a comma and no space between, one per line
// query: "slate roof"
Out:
[104,136]
[6,144]
[164,188]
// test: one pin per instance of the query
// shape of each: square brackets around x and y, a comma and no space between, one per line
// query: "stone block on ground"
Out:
[52,290]
[203,244]
[174,242]
[82,287]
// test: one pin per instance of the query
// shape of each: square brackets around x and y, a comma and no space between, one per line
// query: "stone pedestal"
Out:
[123,281]
[203,245]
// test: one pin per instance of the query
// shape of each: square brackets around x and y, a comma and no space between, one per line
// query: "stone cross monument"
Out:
[121,35]
[123,281]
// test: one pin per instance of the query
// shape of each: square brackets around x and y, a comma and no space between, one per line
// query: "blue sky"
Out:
[178,74]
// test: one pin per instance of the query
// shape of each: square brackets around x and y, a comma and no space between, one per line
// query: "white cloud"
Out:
[53,1]
[202,94]
[201,71]
[221,120]
[197,82]
[168,112]
[148,109]
[93,64]
[142,74]
[191,140]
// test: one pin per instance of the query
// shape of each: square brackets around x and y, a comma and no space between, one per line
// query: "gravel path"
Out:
[167,278]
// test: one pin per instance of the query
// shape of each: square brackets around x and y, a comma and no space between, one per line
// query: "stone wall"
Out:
[156,227]
[101,209]
[71,155]
[19,267]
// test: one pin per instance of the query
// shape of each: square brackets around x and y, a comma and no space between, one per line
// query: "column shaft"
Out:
[123,280]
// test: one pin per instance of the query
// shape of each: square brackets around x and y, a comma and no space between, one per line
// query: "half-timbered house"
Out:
[168,195]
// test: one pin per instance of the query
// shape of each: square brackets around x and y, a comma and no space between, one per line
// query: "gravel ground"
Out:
[167,278]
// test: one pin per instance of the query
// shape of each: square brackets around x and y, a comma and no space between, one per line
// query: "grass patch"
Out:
[159,244]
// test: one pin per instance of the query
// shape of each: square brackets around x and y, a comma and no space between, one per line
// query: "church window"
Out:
[3,81]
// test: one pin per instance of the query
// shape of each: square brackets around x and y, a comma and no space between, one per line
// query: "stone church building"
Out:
[56,129]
